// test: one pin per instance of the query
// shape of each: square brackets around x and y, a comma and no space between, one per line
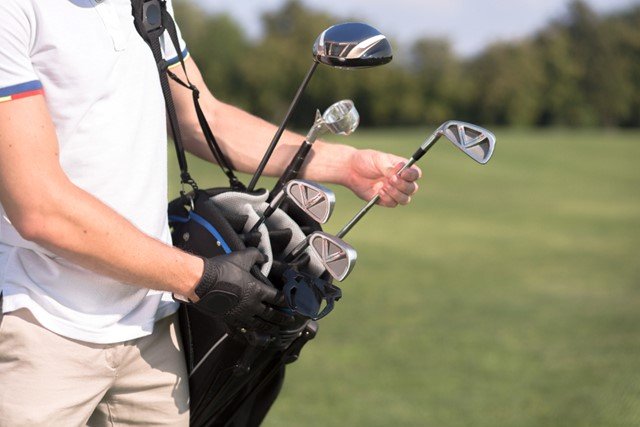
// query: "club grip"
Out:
[294,167]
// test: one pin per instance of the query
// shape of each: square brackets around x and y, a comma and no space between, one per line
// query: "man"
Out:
[88,332]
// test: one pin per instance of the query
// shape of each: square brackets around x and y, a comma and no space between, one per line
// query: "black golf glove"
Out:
[229,290]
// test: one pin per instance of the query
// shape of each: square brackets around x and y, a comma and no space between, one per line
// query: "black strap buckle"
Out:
[152,16]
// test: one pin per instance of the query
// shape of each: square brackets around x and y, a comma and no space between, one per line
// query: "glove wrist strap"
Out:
[209,278]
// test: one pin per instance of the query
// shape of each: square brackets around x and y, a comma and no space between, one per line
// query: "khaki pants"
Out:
[49,380]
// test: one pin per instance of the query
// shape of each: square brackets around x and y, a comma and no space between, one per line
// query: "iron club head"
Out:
[337,256]
[315,200]
[475,141]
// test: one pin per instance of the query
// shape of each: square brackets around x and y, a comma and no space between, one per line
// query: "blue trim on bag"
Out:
[180,219]
[203,222]
[210,228]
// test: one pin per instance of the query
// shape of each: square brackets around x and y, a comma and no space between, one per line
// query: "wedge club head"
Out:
[337,256]
[352,45]
[315,200]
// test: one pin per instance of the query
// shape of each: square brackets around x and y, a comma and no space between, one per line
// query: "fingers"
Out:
[400,185]
[395,163]
[412,174]
[398,189]
[390,198]
[246,258]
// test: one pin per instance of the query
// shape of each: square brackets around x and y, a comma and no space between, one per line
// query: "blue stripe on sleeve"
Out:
[176,59]
[22,87]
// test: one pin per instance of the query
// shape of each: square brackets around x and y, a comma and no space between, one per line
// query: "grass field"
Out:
[505,295]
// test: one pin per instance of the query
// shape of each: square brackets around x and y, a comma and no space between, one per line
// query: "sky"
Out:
[469,24]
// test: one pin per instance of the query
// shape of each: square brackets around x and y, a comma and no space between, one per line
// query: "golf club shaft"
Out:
[297,251]
[294,167]
[280,131]
[275,203]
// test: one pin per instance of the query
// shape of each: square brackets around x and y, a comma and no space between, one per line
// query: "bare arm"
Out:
[46,208]
[244,139]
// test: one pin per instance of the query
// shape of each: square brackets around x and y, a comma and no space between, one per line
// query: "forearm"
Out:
[245,139]
[44,206]
[97,238]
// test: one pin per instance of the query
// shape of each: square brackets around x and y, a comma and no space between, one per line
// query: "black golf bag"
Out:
[235,374]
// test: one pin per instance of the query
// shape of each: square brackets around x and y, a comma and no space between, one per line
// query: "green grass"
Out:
[505,295]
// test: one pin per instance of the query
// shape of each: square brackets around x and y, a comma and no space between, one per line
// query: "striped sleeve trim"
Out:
[21,90]
[176,60]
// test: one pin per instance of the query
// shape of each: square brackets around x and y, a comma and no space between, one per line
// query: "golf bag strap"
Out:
[151,19]
[221,159]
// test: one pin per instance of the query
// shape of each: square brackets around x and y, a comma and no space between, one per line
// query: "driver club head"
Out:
[314,199]
[352,45]
[475,141]
[337,256]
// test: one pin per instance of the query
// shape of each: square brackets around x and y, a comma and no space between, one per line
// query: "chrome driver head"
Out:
[352,45]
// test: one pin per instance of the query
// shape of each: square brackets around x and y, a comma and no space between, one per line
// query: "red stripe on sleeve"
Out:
[27,94]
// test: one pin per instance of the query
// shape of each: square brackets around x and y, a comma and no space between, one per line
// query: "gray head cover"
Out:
[352,45]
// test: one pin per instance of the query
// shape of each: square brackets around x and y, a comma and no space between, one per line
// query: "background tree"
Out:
[581,69]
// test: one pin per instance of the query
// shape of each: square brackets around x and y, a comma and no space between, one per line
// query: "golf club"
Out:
[316,200]
[341,118]
[337,256]
[348,45]
[476,142]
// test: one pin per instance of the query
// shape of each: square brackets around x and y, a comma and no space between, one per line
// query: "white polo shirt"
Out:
[101,85]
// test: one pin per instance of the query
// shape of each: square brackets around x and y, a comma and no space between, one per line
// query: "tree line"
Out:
[581,69]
